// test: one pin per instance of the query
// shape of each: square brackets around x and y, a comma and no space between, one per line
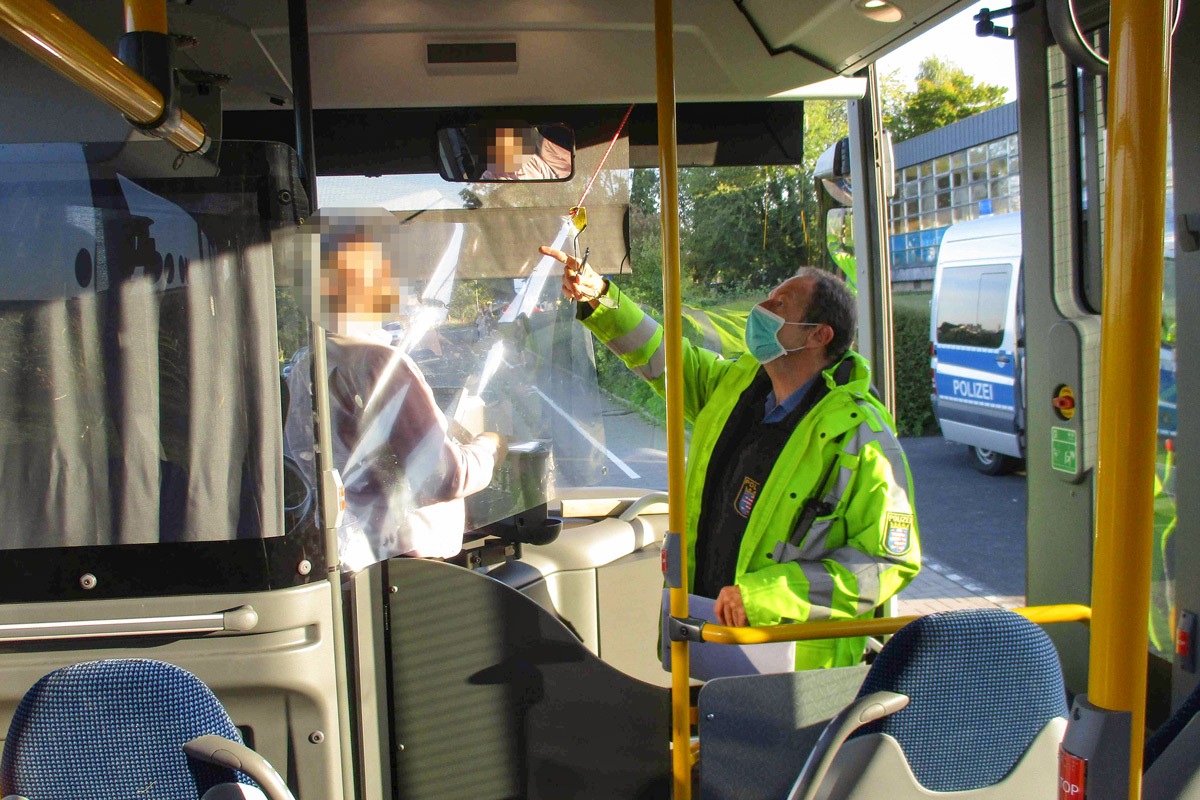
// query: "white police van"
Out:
[976,332]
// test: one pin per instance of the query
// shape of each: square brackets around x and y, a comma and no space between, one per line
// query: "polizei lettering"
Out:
[973,390]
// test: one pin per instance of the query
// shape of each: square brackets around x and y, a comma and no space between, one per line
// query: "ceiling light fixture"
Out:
[878,10]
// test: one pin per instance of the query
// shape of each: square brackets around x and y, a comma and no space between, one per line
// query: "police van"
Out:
[977,342]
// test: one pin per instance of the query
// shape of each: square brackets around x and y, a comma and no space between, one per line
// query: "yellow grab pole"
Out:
[146,15]
[837,629]
[42,31]
[668,171]
[1133,276]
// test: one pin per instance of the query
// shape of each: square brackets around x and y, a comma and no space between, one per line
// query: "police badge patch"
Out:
[898,538]
[746,497]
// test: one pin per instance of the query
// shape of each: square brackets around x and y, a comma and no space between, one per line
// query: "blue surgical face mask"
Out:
[762,335]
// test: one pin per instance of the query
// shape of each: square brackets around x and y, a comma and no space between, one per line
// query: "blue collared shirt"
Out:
[775,411]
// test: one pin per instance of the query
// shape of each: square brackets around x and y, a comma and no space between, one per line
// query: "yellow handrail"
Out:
[146,15]
[668,163]
[45,33]
[1133,277]
[836,629]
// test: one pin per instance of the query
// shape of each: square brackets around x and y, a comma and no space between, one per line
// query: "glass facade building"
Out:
[960,172]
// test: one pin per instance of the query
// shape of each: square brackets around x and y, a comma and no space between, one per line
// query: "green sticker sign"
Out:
[1064,450]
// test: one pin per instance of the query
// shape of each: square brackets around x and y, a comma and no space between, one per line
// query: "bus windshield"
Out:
[466,334]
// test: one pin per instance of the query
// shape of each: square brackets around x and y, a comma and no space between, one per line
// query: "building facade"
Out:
[962,171]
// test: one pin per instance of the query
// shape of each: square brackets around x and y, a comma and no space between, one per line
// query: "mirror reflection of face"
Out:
[506,152]
[357,284]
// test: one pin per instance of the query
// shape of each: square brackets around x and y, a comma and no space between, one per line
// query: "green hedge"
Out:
[914,412]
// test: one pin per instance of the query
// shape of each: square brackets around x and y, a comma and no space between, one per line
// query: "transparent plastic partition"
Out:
[447,331]
[1163,609]
[139,386]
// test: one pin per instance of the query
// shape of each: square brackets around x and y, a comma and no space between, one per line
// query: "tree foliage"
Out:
[945,93]
[743,227]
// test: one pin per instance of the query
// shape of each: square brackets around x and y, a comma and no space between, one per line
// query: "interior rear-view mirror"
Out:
[506,152]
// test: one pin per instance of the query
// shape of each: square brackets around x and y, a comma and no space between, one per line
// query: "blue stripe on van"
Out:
[977,390]
[981,358]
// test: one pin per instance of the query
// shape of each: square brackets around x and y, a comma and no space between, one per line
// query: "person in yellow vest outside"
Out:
[799,497]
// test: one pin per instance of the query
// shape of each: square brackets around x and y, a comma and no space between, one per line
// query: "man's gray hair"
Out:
[832,304]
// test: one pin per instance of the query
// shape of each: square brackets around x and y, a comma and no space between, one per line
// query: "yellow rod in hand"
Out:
[1133,276]
[668,164]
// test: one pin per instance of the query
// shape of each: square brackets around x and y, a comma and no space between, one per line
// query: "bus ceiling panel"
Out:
[228,47]
[372,54]
[843,35]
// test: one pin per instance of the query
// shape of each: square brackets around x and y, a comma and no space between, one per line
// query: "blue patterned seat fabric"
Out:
[114,730]
[983,683]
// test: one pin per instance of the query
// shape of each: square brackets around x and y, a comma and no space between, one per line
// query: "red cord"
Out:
[600,166]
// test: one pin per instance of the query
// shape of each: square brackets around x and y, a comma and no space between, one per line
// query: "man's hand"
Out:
[729,608]
[499,444]
[578,284]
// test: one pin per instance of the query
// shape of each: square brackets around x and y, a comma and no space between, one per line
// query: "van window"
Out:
[971,305]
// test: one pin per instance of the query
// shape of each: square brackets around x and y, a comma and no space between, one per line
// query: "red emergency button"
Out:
[1072,776]
[1183,643]
[1064,402]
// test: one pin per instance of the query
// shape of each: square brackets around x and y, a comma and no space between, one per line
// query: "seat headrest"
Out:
[102,729]
[988,677]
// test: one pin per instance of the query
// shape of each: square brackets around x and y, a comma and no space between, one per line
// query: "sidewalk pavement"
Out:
[940,588]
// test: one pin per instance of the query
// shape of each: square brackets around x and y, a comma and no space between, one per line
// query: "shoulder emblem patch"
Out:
[746,497]
[897,538]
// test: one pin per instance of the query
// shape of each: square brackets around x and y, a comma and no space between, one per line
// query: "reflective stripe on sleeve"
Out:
[639,337]
[653,369]
[867,570]
[820,590]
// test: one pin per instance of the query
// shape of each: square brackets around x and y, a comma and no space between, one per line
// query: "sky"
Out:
[990,60]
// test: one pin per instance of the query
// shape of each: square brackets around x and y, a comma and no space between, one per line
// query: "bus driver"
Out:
[799,496]
[405,476]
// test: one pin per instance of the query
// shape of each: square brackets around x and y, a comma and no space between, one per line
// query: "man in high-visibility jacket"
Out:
[790,425]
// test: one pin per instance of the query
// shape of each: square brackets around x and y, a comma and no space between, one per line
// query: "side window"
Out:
[972,305]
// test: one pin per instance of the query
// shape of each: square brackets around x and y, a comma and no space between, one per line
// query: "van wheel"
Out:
[989,462]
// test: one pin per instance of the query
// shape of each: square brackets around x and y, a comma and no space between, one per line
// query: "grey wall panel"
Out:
[630,596]
[276,679]
[1059,513]
[756,732]
[494,698]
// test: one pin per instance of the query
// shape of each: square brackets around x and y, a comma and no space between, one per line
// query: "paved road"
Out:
[973,524]
[970,522]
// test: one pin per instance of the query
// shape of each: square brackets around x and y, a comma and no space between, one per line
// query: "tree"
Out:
[645,238]
[742,229]
[945,94]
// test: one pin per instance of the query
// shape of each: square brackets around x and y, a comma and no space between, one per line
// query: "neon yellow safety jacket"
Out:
[852,560]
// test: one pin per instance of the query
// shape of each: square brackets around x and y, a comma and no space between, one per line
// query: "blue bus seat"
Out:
[970,701]
[117,728]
